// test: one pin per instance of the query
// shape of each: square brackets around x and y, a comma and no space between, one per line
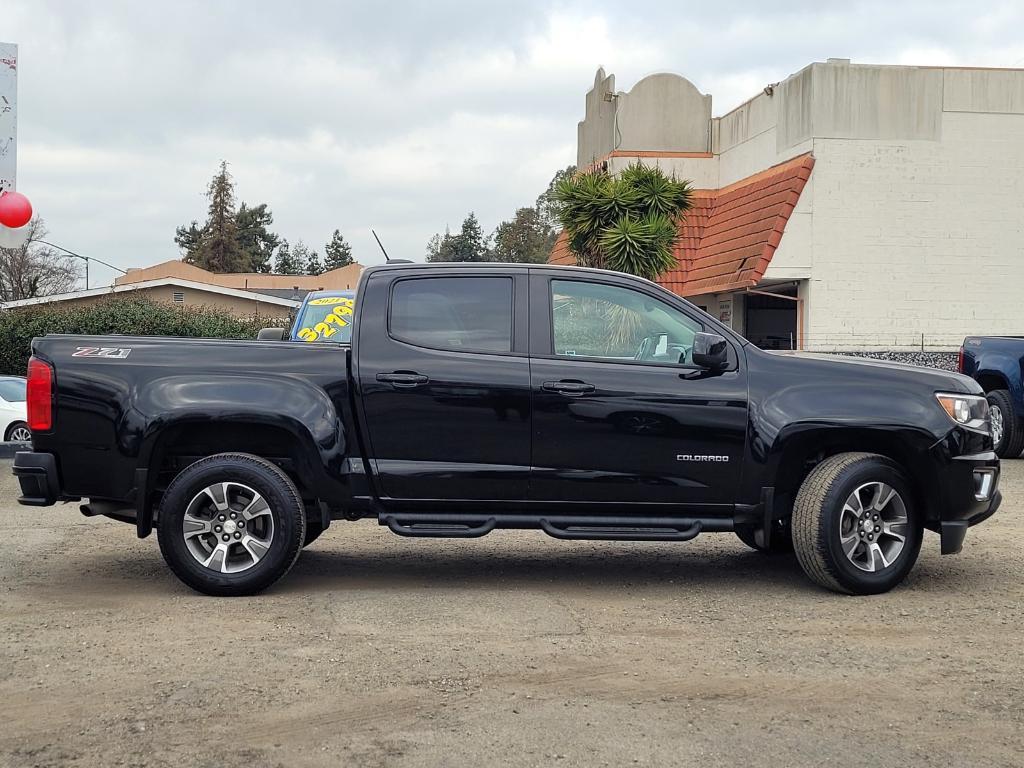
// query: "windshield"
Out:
[326,318]
[12,390]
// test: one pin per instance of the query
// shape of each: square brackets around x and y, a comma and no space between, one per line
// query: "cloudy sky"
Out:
[393,115]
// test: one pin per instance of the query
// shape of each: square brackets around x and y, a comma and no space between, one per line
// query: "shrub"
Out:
[629,223]
[130,316]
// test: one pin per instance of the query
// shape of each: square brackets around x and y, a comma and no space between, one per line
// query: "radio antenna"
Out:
[379,243]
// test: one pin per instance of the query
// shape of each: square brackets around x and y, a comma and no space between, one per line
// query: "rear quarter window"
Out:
[462,314]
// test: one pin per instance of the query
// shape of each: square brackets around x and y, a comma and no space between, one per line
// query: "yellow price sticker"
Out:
[328,300]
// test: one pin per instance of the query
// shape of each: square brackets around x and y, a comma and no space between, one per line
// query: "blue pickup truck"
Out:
[995,362]
[323,316]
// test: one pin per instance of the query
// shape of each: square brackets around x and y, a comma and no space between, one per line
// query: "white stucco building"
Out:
[881,206]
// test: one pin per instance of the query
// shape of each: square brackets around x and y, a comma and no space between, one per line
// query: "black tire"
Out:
[286,510]
[13,428]
[817,515]
[781,542]
[1012,442]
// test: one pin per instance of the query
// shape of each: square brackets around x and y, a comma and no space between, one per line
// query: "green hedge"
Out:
[133,316]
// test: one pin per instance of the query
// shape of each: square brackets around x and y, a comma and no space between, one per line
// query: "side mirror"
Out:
[710,351]
[271,334]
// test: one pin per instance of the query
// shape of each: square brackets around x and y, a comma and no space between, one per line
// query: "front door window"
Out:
[607,322]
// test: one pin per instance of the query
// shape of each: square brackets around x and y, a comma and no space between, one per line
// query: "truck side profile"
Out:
[584,403]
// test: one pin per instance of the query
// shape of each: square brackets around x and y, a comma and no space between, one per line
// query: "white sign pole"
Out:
[8,117]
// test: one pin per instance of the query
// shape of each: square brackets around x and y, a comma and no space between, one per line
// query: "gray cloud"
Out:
[400,116]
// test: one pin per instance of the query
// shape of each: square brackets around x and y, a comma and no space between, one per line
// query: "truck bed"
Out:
[114,394]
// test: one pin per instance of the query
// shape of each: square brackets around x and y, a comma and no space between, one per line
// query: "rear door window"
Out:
[461,314]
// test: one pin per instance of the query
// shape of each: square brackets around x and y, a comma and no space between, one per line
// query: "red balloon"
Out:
[15,210]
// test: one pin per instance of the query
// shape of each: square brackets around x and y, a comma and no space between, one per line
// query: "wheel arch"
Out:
[990,380]
[279,438]
[805,450]
[277,416]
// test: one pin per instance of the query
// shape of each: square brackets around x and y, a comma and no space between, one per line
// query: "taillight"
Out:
[39,395]
[960,360]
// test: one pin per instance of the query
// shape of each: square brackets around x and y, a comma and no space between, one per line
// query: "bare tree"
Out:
[35,269]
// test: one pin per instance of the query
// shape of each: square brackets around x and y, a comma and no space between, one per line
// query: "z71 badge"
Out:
[111,353]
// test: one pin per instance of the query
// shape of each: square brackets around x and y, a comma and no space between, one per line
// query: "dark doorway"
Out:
[771,321]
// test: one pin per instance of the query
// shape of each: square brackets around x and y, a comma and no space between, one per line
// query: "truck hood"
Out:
[929,377]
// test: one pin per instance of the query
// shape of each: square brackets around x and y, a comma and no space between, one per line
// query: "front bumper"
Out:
[969,486]
[37,475]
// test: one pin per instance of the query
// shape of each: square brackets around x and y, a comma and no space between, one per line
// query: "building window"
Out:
[178,297]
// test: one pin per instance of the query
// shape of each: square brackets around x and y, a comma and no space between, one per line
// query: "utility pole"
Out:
[86,259]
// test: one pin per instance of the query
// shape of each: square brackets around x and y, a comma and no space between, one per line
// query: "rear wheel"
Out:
[855,527]
[18,432]
[1007,434]
[231,524]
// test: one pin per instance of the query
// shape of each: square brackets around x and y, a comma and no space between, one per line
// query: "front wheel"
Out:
[231,524]
[1007,434]
[855,527]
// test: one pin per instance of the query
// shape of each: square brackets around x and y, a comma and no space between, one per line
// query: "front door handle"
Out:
[568,387]
[403,378]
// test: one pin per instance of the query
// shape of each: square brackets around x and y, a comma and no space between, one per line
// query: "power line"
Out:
[86,259]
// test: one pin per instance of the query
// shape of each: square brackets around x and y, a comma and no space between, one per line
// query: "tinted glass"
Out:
[457,313]
[12,390]
[605,321]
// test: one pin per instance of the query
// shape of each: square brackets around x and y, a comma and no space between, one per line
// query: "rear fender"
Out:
[288,403]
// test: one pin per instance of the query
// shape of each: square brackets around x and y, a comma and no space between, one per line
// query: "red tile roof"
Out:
[729,235]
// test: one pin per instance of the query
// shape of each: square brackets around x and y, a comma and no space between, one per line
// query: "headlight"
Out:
[969,410]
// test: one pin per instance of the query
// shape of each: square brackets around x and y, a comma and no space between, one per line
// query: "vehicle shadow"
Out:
[393,565]
[596,566]
[717,565]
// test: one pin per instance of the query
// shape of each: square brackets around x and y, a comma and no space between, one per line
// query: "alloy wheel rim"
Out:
[228,527]
[20,435]
[996,416]
[873,526]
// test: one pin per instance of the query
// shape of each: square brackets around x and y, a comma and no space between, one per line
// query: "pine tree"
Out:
[470,244]
[285,264]
[300,258]
[338,253]
[313,265]
[188,239]
[254,236]
[218,249]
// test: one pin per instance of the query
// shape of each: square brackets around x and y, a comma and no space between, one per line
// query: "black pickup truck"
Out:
[587,404]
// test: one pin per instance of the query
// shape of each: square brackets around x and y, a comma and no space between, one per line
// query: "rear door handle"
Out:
[568,387]
[403,378]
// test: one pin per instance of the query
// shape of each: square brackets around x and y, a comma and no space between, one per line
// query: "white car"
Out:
[13,418]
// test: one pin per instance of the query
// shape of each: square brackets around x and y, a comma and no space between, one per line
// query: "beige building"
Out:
[848,207]
[344,278]
[241,294]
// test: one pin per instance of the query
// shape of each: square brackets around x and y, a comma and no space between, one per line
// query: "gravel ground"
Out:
[946,361]
[511,650]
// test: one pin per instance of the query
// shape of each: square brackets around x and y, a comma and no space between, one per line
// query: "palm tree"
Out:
[629,223]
